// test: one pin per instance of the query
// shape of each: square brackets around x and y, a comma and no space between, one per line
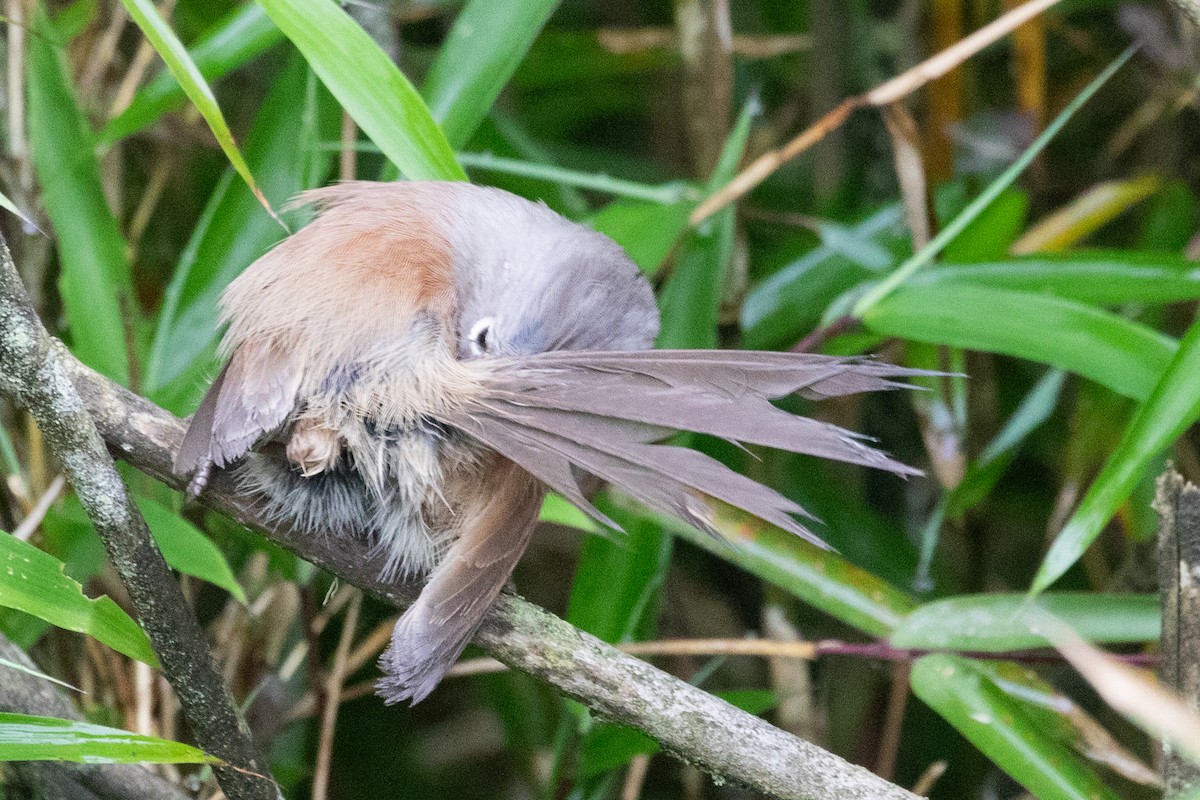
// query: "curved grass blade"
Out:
[1125,356]
[964,695]
[181,65]
[13,665]
[927,253]
[998,623]
[24,737]
[1103,278]
[487,42]
[1173,405]
[34,582]
[368,85]
[96,284]
[243,34]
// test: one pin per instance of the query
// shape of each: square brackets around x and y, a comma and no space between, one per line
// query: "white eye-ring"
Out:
[479,335]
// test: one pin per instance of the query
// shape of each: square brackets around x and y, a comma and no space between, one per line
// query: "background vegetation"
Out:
[1067,300]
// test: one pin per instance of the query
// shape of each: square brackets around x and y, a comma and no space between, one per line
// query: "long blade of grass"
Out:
[997,623]
[1125,356]
[368,85]
[487,42]
[1104,277]
[1173,405]
[24,737]
[96,284]
[930,251]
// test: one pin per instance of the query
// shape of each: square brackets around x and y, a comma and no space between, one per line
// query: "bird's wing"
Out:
[252,396]
[493,533]
[562,413]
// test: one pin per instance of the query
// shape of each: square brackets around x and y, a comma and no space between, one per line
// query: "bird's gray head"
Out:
[531,281]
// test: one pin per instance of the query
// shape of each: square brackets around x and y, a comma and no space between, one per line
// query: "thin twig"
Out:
[815,340]
[807,650]
[37,372]
[635,777]
[17,146]
[333,691]
[36,514]
[884,94]
[929,778]
[137,69]
[893,722]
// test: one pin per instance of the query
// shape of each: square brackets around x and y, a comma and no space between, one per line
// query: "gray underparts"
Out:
[397,491]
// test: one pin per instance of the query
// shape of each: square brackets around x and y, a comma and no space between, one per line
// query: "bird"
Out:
[424,360]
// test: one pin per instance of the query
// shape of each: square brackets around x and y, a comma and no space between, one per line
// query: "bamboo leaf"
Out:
[368,85]
[95,284]
[1125,356]
[28,738]
[1172,405]
[34,582]
[999,726]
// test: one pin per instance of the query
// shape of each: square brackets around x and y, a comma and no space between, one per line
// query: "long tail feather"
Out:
[562,413]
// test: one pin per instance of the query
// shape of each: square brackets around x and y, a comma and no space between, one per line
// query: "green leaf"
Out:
[963,694]
[95,284]
[648,231]
[1171,407]
[180,63]
[28,738]
[188,550]
[1104,278]
[234,230]
[34,582]
[1124,356]
[487,42]
[13,665]
[368,85]
[240,36]
[996,623]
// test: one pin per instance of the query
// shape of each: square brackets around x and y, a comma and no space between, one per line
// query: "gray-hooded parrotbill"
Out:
[423,361]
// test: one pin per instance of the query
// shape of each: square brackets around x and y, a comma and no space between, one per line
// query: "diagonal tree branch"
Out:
[36,373]
[690,723]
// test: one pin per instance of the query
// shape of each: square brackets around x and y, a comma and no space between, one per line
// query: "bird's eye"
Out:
[480,333]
